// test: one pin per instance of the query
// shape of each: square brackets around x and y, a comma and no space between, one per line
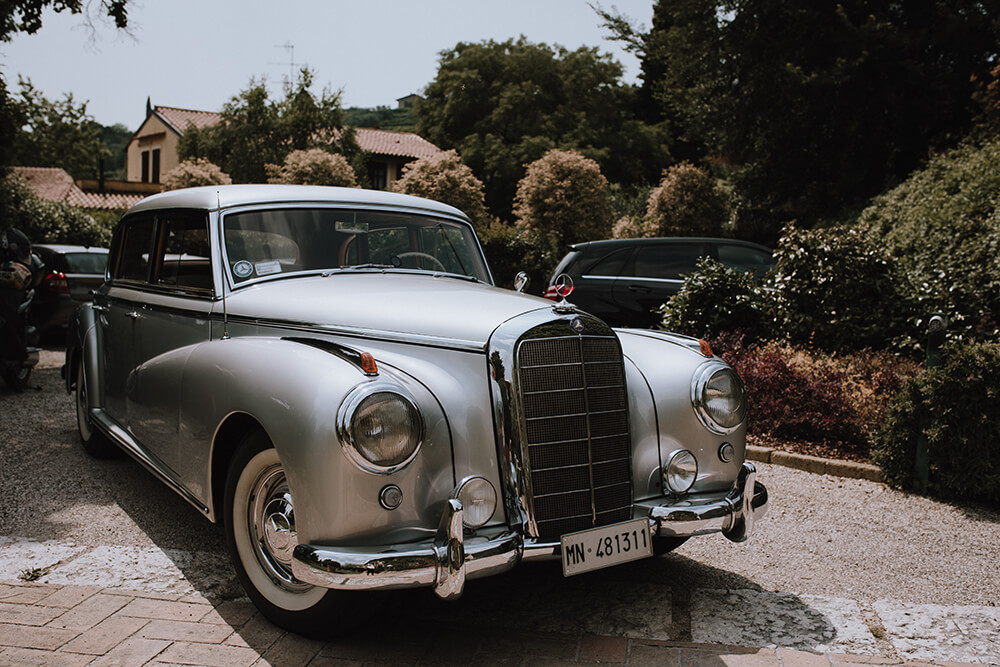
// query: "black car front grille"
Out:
[575,419]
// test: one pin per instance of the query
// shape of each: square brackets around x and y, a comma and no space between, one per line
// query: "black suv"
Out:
[623,281]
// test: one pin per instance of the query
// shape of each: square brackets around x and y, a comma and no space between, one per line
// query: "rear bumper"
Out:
[447,561]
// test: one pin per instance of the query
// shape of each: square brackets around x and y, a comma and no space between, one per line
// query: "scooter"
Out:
[16,366]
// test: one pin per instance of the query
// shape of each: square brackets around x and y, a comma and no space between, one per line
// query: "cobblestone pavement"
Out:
[82,625]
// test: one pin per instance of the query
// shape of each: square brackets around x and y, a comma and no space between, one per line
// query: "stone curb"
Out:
[815,464]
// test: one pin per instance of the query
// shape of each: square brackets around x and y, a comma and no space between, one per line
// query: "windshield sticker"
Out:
[268,268]
[242,269]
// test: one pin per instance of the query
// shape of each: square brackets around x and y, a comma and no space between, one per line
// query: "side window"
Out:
[668,261]
[185,253]
[749,260]
[134,250]
[610,265]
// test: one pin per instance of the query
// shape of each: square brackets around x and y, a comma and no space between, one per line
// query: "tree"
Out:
[562,200]
[56,134]
[194,172]
[817,108]
[444,178]
[256,131]
[26,15]
[502,105]
[313,167]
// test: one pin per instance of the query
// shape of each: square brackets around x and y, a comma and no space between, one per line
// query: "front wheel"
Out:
[260,536]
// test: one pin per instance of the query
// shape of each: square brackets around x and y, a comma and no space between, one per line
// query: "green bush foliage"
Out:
[194,172]
[50,222]
[955,407]
[562,200]
[445,178]
[836,289]
[943,227]
[314,166]
[508,252]
[686,203]
[716,299]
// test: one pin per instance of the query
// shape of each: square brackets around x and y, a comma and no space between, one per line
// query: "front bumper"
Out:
[447,561]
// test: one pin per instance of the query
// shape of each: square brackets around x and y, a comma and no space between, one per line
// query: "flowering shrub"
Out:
[686,203]
[562,200]
[50,222]
[444,178]
[194,172]
[313,167]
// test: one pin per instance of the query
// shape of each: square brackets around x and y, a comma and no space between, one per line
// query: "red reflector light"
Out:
[56,282]
[552,292]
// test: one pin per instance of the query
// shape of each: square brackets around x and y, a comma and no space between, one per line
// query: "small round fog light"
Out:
[680,471]
[479,501]
[390,497]
[726,452]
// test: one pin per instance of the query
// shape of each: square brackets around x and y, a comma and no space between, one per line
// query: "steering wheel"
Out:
[423,255]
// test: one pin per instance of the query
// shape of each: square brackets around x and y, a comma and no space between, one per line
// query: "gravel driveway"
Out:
[887,555]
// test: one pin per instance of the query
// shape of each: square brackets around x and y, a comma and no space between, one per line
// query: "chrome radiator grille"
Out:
[575,419]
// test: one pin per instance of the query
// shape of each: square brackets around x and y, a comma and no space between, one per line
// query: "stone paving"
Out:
[83,625]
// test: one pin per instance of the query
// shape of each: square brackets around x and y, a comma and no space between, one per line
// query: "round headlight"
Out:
[718,396]
[380,430]
[680,471]
[479,501]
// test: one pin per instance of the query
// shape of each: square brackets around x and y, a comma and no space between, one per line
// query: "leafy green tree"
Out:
[382,118]
[26,15]
[817,108]
[313,167]
[562,200]
[194,172]
[445,178]
[56,134]
[502,105]
[256,131]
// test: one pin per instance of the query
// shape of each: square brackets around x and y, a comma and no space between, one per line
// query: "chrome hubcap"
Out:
[271,519]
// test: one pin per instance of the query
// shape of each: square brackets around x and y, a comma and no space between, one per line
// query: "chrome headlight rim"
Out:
[670,471]
[699,383]
[345,417]
[459,492]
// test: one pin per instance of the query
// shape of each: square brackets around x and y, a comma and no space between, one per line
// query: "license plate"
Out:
[605,546]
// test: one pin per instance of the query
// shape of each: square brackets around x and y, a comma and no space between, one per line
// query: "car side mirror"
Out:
[520,281]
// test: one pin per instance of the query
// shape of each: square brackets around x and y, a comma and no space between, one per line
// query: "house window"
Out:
[156,166]
[378,175]
[145,166]
[151,166]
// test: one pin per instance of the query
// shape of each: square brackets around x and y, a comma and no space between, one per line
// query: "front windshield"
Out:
[291,240]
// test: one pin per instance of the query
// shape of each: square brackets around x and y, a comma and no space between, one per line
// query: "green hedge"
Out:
[955,407]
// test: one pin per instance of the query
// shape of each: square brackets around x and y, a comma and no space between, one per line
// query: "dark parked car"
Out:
[72,273]
[623,281]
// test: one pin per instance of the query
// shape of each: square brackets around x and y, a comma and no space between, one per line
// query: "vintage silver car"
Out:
[332,374]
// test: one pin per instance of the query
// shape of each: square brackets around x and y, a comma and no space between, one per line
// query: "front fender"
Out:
[294,391]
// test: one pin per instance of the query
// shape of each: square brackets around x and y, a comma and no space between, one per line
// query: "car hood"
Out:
[436,309]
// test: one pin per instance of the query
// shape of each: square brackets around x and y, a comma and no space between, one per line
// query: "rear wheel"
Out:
[260,536]
[94,442]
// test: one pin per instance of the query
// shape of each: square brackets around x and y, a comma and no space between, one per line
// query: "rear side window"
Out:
[667,261]
[610,265]
[748,260]
[135,250]
[186,253]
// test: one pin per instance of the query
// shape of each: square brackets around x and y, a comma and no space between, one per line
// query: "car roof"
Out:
[228,196]
[610,243]
[63,248]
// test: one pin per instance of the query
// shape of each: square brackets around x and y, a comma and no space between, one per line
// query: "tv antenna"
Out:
[290,48]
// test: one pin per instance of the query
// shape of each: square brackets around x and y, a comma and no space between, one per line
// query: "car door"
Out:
[175,315]
[117,305]
[655,274]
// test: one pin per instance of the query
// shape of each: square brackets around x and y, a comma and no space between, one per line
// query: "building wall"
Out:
[154,135]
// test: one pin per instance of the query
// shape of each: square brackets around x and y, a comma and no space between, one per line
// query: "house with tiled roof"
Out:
[153,152]
[56,185]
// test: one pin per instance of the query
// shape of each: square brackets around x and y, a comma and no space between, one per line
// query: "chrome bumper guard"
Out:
[446,562]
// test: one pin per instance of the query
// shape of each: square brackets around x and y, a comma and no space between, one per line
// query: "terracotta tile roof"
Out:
[54,184]
[181,119]
[399,144]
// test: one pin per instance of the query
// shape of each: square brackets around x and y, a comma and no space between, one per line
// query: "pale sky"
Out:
[197,54]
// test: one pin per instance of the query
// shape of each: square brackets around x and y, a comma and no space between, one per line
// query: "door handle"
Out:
[133,314]
[100,309]
[638,289]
